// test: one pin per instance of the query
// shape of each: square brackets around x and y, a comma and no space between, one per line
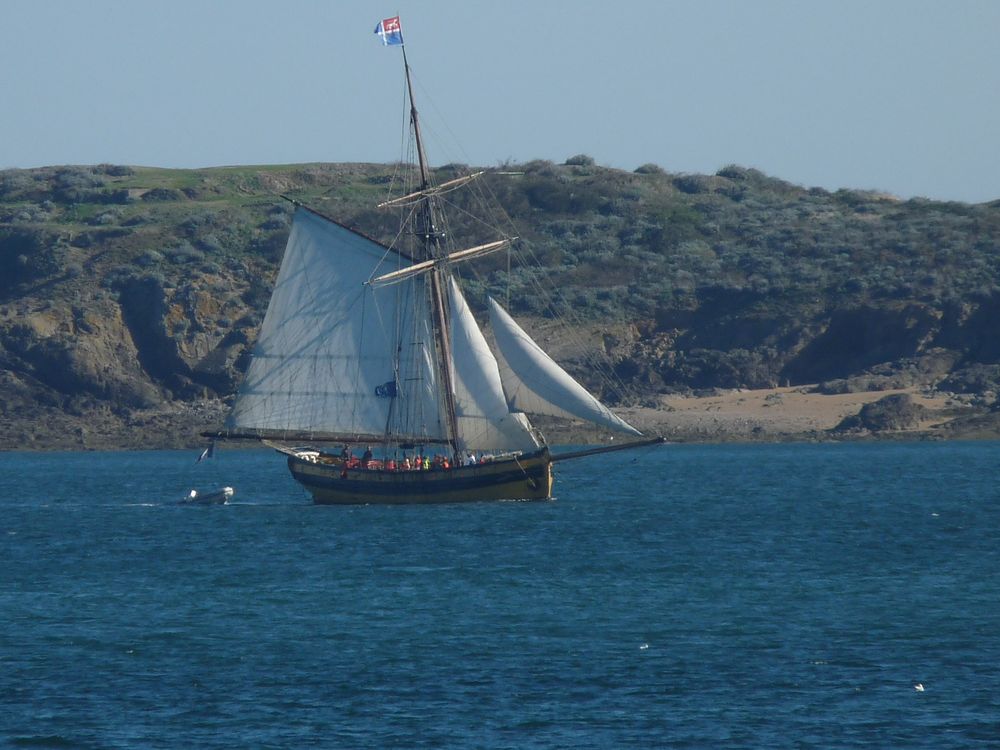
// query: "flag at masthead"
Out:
[389,31]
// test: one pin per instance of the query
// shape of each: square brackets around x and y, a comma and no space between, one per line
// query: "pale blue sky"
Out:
[895,95]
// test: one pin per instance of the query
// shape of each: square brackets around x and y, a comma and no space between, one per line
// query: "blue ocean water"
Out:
[764,596]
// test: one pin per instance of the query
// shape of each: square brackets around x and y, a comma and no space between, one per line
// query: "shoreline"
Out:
[790,414]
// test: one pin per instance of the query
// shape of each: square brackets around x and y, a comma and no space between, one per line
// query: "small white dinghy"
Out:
[215,497]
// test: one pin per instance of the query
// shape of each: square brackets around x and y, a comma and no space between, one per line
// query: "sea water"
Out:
[762,596]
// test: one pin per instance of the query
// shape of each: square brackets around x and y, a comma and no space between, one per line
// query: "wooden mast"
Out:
[431,239]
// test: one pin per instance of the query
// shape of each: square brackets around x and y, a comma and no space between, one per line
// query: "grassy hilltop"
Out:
[129,296]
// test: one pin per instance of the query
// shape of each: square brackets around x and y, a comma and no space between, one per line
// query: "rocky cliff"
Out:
[129,297]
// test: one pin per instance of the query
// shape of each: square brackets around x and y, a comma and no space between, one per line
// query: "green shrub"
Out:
[649,169]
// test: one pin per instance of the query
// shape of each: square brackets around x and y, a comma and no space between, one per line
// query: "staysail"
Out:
[335,355]
[534,383]
[484,420]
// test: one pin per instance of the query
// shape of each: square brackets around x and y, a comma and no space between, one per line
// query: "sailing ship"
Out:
[371,344]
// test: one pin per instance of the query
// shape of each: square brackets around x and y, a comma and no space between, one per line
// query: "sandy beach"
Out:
[784,414]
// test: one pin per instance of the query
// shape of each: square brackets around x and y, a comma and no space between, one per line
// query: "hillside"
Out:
[129,296]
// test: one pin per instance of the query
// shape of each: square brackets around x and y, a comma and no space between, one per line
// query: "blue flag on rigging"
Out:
[389,31]
[387,390]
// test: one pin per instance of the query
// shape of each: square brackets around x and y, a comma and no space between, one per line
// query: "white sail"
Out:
[485,423]
[534,383]
[332,350]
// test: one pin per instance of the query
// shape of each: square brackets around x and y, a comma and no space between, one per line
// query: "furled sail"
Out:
[534,383]
[335,355]
[484,420]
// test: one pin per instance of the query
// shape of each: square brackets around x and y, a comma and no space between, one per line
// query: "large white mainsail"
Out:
[484,420]
[534,383]
[335,355]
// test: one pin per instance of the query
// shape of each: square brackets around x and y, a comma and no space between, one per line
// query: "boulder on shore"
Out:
[895,412]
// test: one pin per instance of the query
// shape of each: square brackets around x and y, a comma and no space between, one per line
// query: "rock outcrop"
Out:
[891,413]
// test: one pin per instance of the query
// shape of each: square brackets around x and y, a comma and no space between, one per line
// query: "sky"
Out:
[898,96]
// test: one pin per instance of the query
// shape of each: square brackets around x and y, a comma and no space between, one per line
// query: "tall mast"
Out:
[421,156]
[431,240]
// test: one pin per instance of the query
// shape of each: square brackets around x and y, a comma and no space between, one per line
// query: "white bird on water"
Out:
[919,687]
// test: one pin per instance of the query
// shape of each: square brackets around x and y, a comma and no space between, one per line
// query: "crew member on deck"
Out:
[366,457]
